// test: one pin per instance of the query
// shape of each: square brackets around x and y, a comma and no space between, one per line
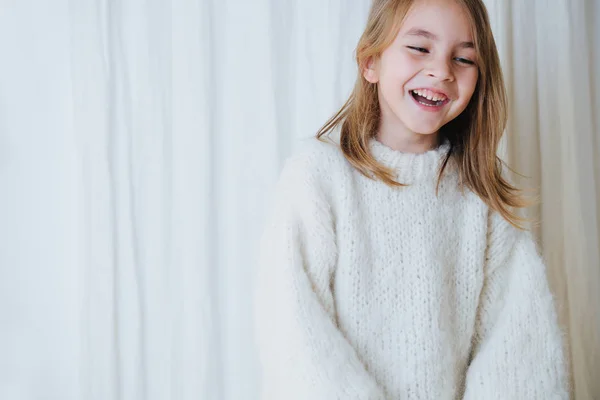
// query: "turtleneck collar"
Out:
[410,167]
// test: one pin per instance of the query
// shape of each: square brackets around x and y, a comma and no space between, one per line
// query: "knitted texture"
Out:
[370,292]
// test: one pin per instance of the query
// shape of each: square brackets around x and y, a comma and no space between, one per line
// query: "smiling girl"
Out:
[393,264]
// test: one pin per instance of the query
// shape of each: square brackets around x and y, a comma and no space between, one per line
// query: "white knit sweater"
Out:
[370,292]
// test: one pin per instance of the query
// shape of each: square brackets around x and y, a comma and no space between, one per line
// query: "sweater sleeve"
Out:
[517,346]
[302,352]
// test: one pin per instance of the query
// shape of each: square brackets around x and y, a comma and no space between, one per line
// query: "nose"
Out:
[441,69]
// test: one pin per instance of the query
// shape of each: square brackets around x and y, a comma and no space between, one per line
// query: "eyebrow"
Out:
[431,36]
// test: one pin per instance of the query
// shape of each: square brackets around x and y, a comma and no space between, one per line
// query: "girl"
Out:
[393,266]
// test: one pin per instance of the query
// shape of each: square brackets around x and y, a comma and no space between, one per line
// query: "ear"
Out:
[371,71]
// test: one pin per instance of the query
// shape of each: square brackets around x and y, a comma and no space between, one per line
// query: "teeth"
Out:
[430,95]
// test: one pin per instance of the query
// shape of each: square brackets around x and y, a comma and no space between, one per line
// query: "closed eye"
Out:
[464,61]
[419,49]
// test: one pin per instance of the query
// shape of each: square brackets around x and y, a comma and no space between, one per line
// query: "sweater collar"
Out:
[410,167]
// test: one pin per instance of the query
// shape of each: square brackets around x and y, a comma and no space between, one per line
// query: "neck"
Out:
[400,139]
[411,167]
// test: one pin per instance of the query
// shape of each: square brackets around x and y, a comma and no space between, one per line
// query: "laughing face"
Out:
[427,76]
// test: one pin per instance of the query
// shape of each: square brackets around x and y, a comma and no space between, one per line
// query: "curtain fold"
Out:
[153,133]
[550,58]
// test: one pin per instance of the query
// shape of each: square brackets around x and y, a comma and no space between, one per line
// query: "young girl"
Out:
[393,266]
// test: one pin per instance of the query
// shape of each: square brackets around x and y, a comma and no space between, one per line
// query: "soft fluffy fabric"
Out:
[371,292]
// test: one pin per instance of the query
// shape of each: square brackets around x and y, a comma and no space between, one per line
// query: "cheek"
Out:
[466,85]
[397,69]
[470,81]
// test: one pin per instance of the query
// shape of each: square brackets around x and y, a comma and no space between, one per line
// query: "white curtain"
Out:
[139,144]
[551,57]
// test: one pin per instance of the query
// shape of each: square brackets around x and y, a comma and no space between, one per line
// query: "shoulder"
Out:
[315,162]
[315,154]
[503,238]
[312,177]
[306,184]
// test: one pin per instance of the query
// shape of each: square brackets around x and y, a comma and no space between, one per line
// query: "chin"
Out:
[428,132]
[423,126]
[425,130]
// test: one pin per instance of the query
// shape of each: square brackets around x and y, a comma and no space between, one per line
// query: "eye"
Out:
[419,49]
[464,61]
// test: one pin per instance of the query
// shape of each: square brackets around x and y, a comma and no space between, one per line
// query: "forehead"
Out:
[444,20]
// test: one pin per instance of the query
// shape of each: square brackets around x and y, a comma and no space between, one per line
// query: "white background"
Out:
[139,143]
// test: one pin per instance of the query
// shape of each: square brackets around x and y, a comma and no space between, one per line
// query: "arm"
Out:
[518,350]
[303,353]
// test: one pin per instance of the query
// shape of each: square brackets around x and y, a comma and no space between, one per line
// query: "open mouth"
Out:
[429,98]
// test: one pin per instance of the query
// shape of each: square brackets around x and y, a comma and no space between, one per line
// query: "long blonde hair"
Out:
[474,135]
